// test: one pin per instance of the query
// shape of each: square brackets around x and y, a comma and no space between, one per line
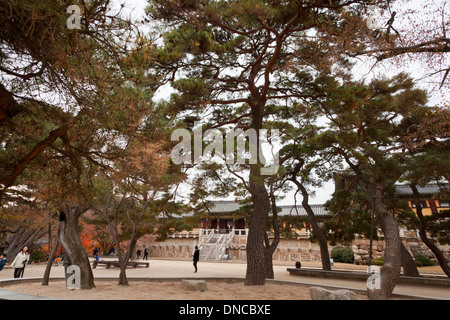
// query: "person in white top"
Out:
[20,261]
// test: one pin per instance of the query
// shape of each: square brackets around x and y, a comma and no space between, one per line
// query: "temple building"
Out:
[224,216]
[223,234]
[430,200]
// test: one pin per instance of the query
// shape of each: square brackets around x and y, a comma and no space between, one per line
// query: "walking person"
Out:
[196,257]
[138,253]
[19,262]
[2,261]
[145,254]
[95,254]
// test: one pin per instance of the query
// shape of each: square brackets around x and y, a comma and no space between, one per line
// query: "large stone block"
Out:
[318,293]
[194,285]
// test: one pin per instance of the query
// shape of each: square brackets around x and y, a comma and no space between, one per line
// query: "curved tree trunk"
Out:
[123,280]
[423,233]
[69,238]
[409,266]
[392,257]
[48,268]
[271,247]
[121,254]
[323,243]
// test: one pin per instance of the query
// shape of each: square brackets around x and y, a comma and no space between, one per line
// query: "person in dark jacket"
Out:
[196,257]
[2,261]
[145,254]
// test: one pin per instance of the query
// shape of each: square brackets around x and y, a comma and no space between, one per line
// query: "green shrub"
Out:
[418,263]
[425,260]
[37,256]
[342,254]
[378,262]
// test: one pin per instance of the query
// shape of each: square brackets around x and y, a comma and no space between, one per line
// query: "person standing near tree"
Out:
[145,254]
[20,261]
[196,257]
[138,253]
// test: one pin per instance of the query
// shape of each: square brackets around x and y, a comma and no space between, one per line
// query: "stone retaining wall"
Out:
[172,248]
[288,249]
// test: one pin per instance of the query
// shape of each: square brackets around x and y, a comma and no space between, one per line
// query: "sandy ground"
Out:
[172,290]
[169,290]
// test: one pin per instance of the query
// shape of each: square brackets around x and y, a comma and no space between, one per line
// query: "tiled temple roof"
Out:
[429,189]
[229,206]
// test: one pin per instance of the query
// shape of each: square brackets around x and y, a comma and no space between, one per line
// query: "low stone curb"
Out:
[10,295]
[352,275]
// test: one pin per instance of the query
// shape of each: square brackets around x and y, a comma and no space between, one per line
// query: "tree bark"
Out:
[392,257]
[123,280]
[409,266]
[48,268]
[256,257]
[323,243]
[69,238]
[423,232]
[121,254]
[271,247]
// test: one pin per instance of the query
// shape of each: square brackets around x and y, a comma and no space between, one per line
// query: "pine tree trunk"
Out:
[392,255]
[271,247]
[323,243]
[268,264]
[123,259]
[123,281]
[69,238]
[423,233]
[46,277]
[256,257]
[409,266]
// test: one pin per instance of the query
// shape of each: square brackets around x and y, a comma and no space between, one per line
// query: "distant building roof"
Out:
[318,209]
[224,206]
[429,189]
[229,206]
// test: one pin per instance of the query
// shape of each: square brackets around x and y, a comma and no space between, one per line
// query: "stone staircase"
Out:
[213,246]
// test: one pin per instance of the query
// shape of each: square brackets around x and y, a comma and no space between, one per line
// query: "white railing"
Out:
[223,246]
[213,242]
[204,234]
[304,234]
[207,233]
[241,232]
[223,237]
[207,246]
[186,234]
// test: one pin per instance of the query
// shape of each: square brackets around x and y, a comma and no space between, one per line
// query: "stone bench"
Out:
[116,263]
[356,275]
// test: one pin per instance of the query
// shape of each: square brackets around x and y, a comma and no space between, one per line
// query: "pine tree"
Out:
[366,132]
[232,60]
